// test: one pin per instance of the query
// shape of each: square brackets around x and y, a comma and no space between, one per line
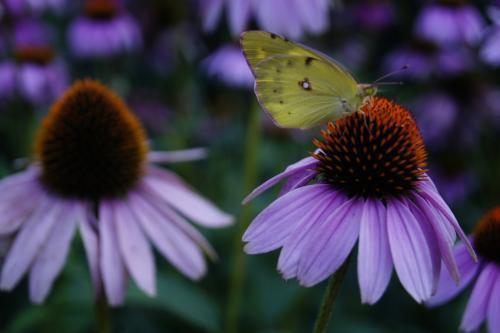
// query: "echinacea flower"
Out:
[490,50]
[104,30]
[373,14]
[24,7]
[450,22]
[366,183]
[291,18]
[35,74]
[93,171]
[484,302]
[230,66]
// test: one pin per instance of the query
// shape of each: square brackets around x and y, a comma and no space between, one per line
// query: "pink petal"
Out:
[477,308]
[281,217]
[88,230]
[175,246]
[411,253]
[177,155]
[494,306]
[189,203]
[135,249]
[111,263]
[330,244]
[294,245]
[374,254]
[52,255]
[448,287]
[28,242]
[302,165]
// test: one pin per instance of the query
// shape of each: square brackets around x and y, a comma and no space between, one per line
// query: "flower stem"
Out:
[103,315]
[331,293]
[237,278]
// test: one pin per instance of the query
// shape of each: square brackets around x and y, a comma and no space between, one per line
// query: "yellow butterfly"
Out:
[300,87]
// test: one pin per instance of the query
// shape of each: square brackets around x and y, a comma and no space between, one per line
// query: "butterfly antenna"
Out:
[405,67]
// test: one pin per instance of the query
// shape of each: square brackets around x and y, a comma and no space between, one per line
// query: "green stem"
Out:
[103,315]
[331,293]
[237,278]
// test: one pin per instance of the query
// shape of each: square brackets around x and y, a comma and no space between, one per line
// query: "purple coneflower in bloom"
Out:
[373,14]
[23,7]
[450,22]
[490,50]
[93,171]
[288,17]
[484,302]
[35,73]
[424,58]
[230,66]
[104,30]
[366,182]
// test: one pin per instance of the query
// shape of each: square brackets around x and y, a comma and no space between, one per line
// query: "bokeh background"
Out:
[179,67]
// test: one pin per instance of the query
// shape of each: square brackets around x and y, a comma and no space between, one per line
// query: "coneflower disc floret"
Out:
[90,145]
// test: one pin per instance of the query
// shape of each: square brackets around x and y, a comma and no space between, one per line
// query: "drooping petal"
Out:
[52,255]
[280,218]
[494,306]
[429,193]
[303,164]
[448,287]
[297,180]
[410,252]
[444,239]
[477,308]
[135,249]
[177,155]
[28,242]
[188,202]
[88,229]
[113,271]
[294,244]
[173,244]
[330,244]
[374,254]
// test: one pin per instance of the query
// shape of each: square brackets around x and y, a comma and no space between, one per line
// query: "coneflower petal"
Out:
[28,242]
[113,271]
[494,306]
[447,287]
[135,249]
[295,243]
[88,226]
[410,251]
[477,308]
[330,243]
[18,207]
[172,243]
[285,212]
[52,256]
[303,164]
[374,254]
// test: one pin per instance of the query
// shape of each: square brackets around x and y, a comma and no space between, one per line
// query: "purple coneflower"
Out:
[288,17]
[23,7]
[449,22]
[424,58]
[104,30]
[35,73]
[484,302]
[230,66]
[490,50]
[373,14]
[93,171]
[366,182]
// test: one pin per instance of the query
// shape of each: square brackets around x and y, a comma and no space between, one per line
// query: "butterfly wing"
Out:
[303,91]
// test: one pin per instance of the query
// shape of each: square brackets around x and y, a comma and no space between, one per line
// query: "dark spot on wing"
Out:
[309,60]
[305,84]
[273,36]
[289,63]
[275,90]
[278,70]
[281,101]
[286,39]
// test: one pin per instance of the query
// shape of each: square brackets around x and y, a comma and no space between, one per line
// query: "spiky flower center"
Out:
[101,10]
[376,152]
[40,55]
[90,145]
[487,236]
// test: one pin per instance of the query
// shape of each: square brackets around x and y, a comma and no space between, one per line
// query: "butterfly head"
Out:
[368,89]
